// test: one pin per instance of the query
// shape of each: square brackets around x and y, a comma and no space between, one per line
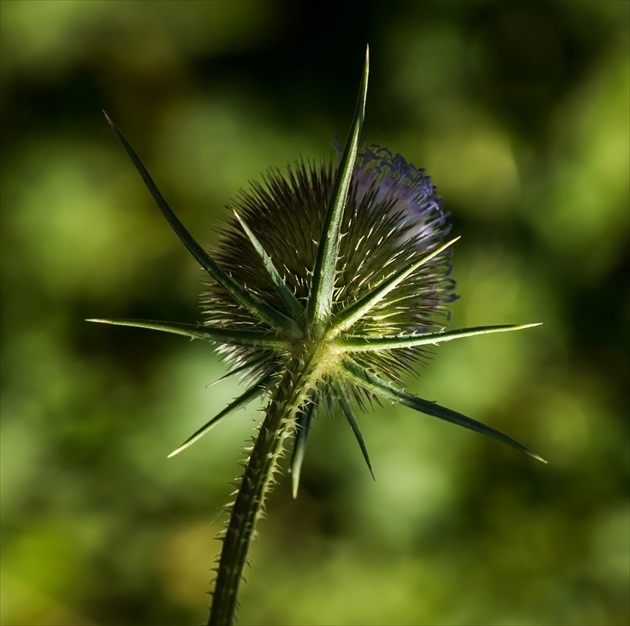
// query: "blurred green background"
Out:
[519,112]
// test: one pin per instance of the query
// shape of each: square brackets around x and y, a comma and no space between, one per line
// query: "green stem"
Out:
[278,424]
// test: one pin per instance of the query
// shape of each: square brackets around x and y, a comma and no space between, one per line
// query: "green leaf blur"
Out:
[518,112]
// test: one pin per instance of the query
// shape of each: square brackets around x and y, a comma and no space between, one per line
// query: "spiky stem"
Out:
[290,395]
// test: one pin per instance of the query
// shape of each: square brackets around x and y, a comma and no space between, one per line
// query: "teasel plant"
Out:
[331,281]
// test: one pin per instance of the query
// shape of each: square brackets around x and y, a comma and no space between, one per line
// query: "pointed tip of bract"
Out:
[372,473]
[445,246]
[295,469]
[295,483]
[177,451]
[186,443]
[537,457]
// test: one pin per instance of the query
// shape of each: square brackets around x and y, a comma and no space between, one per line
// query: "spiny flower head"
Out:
[391,220]
[341,267]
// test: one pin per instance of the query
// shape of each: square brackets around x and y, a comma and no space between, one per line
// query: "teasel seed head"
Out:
[343,264]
